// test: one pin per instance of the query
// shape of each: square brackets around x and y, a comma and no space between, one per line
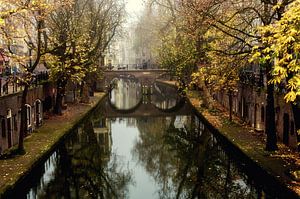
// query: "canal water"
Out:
[141,143]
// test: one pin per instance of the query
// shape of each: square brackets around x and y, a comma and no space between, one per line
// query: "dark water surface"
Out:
[141,147]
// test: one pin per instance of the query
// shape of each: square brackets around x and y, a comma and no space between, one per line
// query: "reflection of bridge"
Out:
[145,77]
[145,109]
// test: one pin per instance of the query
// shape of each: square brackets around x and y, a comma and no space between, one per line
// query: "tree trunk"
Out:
[270,127]
[58,103]
[84,93]
[200,157]
[296,113]
[59,99]
[207,98]
[230,104]
[23,125]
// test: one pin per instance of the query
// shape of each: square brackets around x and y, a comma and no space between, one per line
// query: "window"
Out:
[28,116]
[9,127]
[38,112]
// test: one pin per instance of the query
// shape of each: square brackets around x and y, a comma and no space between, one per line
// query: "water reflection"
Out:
[84,167]
[164,97]
[49,174]
[186,161]
[154,156]
[126,93]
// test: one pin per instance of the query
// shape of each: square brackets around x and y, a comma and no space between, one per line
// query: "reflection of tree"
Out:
[164,97]
[150,149]
[187,163]
[85,171]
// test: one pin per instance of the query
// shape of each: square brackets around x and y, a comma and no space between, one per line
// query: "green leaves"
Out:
[179,55]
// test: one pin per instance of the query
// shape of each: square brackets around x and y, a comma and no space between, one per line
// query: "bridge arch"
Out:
[178,105]
[162,99]
[165,95]
[145,110]
[145,106]
[125,111]
[110,81]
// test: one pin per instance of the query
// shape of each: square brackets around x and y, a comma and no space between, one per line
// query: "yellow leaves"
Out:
[294,88]
[294,83]
[281,45]
[2,22]
[277,6]
[290,39]
[256,55]
[279,70]
[290,97]
[293,31]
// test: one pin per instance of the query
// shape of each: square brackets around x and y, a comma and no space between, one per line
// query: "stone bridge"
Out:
[146,77]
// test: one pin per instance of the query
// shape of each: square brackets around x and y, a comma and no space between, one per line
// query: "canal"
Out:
[142,143]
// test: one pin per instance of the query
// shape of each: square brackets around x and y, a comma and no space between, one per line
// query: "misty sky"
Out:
[134,8]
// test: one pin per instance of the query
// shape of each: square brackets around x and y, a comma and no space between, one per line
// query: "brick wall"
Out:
[249,104]
[10,115]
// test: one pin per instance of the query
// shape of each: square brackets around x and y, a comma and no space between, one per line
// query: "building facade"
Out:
[10,113]
[249,104]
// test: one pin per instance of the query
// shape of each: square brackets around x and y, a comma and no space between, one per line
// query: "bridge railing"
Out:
[131,67]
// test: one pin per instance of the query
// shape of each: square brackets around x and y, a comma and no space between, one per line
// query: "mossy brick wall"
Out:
[12,102]
[249,104]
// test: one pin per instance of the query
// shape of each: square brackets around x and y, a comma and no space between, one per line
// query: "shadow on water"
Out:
[82,167]
[158,148]
[186,161]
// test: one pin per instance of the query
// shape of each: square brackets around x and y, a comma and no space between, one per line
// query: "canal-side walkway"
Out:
[278,164]
[41,142]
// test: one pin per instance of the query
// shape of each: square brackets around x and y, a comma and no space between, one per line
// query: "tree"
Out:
[281,38]
[23,23]
[239,20]
[221,61]
[178,55]
[145,30]
[80,37]
[282,48]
